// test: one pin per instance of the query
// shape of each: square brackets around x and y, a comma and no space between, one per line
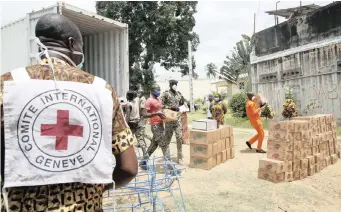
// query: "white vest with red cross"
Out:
[54,135]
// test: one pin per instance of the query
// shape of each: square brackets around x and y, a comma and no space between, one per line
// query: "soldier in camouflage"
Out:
[173,99]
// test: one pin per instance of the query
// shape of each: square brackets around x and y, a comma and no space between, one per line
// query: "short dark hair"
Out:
[172,82]
[250,95]
[57,27]
[131,95]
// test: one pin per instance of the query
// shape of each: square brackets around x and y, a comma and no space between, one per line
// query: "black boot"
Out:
[248,144]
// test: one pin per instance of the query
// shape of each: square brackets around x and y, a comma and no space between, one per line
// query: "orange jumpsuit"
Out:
[252,111]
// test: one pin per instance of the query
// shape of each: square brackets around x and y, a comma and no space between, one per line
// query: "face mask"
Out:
[80,65]
[174,87]
[157,93]
[46,53]
[216,99]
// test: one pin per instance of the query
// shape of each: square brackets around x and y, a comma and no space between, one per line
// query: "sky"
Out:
[219,24]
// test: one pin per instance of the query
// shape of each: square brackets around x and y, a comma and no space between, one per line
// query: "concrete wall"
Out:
[316,26]
[311,66]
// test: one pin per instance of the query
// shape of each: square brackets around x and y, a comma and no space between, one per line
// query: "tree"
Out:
[211,70]
[158,33]
[239,61]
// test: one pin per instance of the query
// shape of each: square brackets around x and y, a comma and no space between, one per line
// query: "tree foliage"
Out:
[211,70]
[158,33]
[239,61]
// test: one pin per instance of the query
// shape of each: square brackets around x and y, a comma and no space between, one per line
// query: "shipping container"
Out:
[105,44]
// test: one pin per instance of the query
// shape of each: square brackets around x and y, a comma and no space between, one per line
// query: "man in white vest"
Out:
[60,128]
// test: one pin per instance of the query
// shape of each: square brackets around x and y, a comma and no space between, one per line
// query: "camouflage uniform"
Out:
[140,130]
[173,100]
[158,140]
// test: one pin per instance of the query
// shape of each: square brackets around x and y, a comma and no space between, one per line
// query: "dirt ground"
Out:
[234,186]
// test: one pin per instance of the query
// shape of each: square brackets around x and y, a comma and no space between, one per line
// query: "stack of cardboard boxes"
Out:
[299,148]
[210,148]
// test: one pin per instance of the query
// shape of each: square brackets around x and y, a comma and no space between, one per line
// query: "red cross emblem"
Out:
[62,130]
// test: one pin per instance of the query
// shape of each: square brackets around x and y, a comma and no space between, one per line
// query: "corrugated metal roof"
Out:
[289,11]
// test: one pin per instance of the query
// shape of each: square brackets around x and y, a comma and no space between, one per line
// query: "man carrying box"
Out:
[252,111]
[173,99]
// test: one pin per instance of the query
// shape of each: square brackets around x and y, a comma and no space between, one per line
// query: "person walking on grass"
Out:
[218,110]
[252,111]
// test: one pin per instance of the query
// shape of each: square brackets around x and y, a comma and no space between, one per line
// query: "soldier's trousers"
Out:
[139,132]
[158,140]
[170,127]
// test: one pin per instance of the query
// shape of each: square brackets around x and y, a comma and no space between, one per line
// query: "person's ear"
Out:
[71,44]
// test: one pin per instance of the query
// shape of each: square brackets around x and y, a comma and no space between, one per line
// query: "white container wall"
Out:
[314,74]
[105,44]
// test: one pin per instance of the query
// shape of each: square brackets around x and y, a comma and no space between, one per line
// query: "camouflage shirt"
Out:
[171,99]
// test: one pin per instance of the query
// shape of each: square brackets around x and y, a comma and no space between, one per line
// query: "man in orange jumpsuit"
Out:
[252,111]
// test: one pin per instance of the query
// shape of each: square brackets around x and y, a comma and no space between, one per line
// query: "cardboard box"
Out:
[280,146]
[289,156]
[296,175]
[204,124]
[296,165]
[225,131]
[279,136]
[317,168]
[297,145]
[222,145]
[201,150]
[306,135]
[260,99]
[271,176]
[316,141]
[216,149]
[298,136]
[288,177]
[311,171]
[223,156]
[277,155]
[203,137]
[328,161]
[309,152]
[318,158]
[227,142]
[228,153]
[304,164]
[232,141]
[304,154]
[311,161]
[315,150]
[288,166]
[232,152]
[334,158]
[171,115]
[303,173]
[297,156]
[218,159]
[202,163]
[278,126]
[301,125]
[271,165]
